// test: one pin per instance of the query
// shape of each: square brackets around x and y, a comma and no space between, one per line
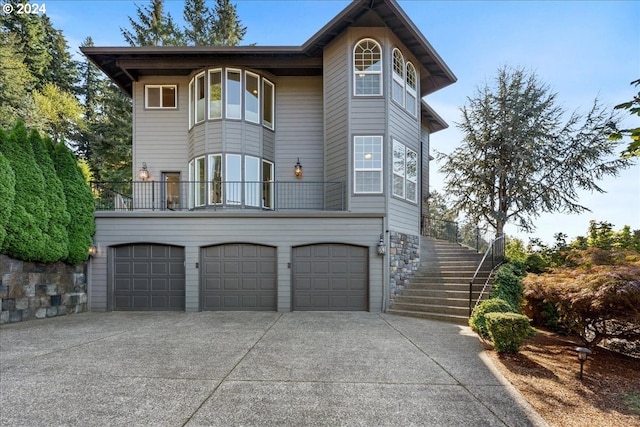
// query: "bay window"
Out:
[215,94]
[367,164]
[234,94]
[251,98]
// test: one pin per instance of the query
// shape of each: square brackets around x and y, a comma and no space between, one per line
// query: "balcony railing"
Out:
[214,195]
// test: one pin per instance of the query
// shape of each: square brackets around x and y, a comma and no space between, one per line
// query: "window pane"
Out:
[367,68]
[368,164]
[192,109]
[252,181]
[215,177]
[368,182]
[267,104]
[234,94]
[411,103]
[153,97]
[233,186]
[201,181]
[398,169]
[368,84]
[215,94]
[412,175]
[192,178]
[251,98]
[200,98]
[267,184]
[168,96]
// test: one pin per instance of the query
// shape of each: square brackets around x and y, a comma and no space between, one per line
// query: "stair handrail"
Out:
[496,248]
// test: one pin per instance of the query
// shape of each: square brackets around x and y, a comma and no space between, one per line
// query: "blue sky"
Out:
[581,49]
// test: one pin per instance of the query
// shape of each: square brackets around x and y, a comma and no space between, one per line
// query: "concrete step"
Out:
[431,300]
[460,320]
[432,308]
[440,293]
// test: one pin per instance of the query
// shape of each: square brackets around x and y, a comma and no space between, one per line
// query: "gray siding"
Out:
[195,230]
[299,132]
[268,144]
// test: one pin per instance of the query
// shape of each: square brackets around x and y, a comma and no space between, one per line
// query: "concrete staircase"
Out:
[440,288]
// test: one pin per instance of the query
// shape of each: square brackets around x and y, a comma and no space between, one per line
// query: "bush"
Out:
[508,285]
[534,263]
[508,331]
[494,305]
[7,191]
[542,313]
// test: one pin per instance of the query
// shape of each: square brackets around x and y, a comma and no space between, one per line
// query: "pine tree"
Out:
[16,83]
[228,29]
[62,69]
[200,23]
[153,27]
[92,92]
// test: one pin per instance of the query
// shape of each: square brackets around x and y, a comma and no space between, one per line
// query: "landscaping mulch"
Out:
[546,372]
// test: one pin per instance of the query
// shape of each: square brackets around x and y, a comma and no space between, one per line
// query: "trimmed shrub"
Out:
[7,190]
[508,331]
[79,203]
[477,320]
[508,286]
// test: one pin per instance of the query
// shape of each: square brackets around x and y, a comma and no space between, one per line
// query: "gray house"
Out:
[271,178]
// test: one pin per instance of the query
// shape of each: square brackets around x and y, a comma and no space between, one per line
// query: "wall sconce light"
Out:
[381,248]
[583,354]
[144,173]
[297,169]
[93,250]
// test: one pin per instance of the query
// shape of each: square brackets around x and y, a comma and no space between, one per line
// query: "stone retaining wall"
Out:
[404,258]
[31,290]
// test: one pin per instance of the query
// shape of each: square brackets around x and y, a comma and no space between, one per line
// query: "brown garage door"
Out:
[330,277]
[148,277]
[239,277]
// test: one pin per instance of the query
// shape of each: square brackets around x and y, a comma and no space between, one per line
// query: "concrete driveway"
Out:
[241,368]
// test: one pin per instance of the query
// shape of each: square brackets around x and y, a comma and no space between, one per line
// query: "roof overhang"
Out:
[125,65]
[431,119]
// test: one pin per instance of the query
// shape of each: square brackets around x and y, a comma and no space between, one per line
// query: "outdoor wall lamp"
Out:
[381,248]
[297,169]
[583,353]
[144,173]
[93,250]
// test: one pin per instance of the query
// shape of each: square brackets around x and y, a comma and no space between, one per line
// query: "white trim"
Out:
[248,113]
[269,125]
[228,92]
[398,79]
[368,169]
[197,100]
[213,71]
[412,91]
[161,98]
[364,73]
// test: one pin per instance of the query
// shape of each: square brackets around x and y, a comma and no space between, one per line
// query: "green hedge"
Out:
[477,321]
[508,285]
[7,190]
[508,331]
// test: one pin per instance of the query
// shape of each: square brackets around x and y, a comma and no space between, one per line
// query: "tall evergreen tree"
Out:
[16,82]
[61,113]
[228,29]
[7,190]
[62,70]
[200,23]
[153,27]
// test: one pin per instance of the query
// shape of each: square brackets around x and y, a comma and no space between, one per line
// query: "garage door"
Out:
[149,277]
[239,277]
[330,277]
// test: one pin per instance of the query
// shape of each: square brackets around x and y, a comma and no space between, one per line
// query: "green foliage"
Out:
[79,204]
[519,158]
[7,189]
[228,30]
[477,320]
[615,134]
[534,263]
[60,110]
[508,286]
[56,219]
[515,250]
[15,99]
[153,27]
[508,331]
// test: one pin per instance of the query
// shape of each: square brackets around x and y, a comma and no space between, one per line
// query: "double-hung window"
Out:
[367,164]
[215,179]
[215,94]
[397,87]
[405,172]
[161,96]
[367,68]
[234,94]
[268,103]
[412,89]
[199,98]
[251,97]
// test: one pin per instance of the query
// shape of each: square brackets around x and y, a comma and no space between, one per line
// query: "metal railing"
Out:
[495,255]
[196,195]
[468,235]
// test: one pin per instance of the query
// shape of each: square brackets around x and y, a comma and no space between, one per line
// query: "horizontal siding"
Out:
[268,144]
[300,132]
[193,233]
[404,217]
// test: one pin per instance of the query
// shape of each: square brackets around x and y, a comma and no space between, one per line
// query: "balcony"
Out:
[218,195]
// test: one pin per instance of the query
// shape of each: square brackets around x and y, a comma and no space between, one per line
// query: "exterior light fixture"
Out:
[297,169]
[93,250]
[381,248]
[144,173]
[583,354]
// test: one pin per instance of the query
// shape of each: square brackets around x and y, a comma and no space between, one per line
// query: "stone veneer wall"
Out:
[31,290]
[404,258]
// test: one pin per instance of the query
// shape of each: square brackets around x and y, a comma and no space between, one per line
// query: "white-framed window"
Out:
[200,182]
[192,97]
[233,186]
[199,98]
[268,104]
[161,96]
[252,181]
[192,178]
[367,68]
[267,184]
[405,172]
[399,169]
[233,94]
[412,89]
[397,85]
[215,94]
[367,164]
[215,179]
[251,97]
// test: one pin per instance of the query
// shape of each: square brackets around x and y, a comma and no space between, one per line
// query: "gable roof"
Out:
[124,65]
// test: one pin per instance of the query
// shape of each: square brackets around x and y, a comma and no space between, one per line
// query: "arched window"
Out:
[397,88]
[367,68]
[412,89]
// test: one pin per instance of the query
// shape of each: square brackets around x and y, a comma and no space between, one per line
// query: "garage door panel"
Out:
[149,277]
[330,277]
[246,279]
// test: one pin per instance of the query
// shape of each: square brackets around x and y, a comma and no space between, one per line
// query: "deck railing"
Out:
[213,195]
